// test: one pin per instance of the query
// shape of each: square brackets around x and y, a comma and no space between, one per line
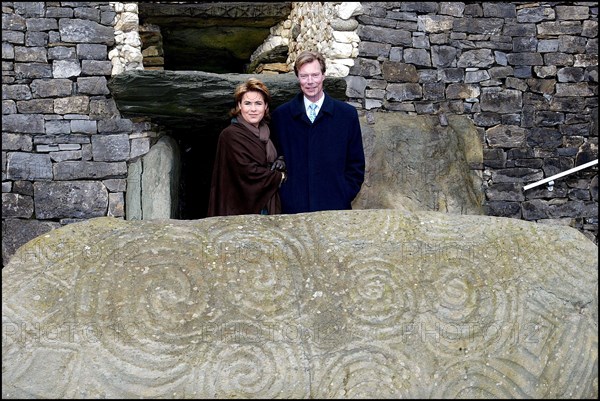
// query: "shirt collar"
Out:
[319,103]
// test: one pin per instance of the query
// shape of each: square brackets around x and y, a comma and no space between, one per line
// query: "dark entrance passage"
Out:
[197,158]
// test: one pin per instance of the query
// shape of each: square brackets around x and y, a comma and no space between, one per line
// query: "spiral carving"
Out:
[259,268]
[360,372]
[380,300]
[468,311]
[252,364]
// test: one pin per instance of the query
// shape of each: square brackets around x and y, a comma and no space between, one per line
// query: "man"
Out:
[325,158]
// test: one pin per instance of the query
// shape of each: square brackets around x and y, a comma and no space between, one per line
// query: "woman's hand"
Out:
[278,164]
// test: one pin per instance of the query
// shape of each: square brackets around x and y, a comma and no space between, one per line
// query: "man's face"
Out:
[311,80]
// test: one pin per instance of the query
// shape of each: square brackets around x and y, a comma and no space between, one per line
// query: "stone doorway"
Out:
[214,38]
[192,107]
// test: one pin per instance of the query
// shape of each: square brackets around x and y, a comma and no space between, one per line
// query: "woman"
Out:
[247,173]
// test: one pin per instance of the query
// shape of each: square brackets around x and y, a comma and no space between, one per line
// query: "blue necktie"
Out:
[312,112]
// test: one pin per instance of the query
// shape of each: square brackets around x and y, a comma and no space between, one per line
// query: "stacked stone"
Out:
[526,74]
[126,54]
[152,49]
[65,146]
[329,28]
[277,39]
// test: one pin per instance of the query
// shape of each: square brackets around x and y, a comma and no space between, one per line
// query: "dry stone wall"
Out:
[525,73]
[65,146]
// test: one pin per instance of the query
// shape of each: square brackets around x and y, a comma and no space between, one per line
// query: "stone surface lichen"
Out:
[346,304]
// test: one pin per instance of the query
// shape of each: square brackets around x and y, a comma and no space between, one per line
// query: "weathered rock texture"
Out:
[153,183]
[415,162]
[216,37]
[347,304]
[197,98]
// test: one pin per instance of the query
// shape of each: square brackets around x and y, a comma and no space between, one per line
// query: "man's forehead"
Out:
[312,66]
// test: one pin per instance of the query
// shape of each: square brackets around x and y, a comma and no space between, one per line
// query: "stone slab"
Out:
[344,304]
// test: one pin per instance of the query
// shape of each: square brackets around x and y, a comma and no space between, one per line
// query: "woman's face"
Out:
[253,107]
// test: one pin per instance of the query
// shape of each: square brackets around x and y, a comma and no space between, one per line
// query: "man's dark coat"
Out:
[325,160]
[242,181]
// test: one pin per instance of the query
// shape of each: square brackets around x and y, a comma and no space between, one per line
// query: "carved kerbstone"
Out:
[347,304]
